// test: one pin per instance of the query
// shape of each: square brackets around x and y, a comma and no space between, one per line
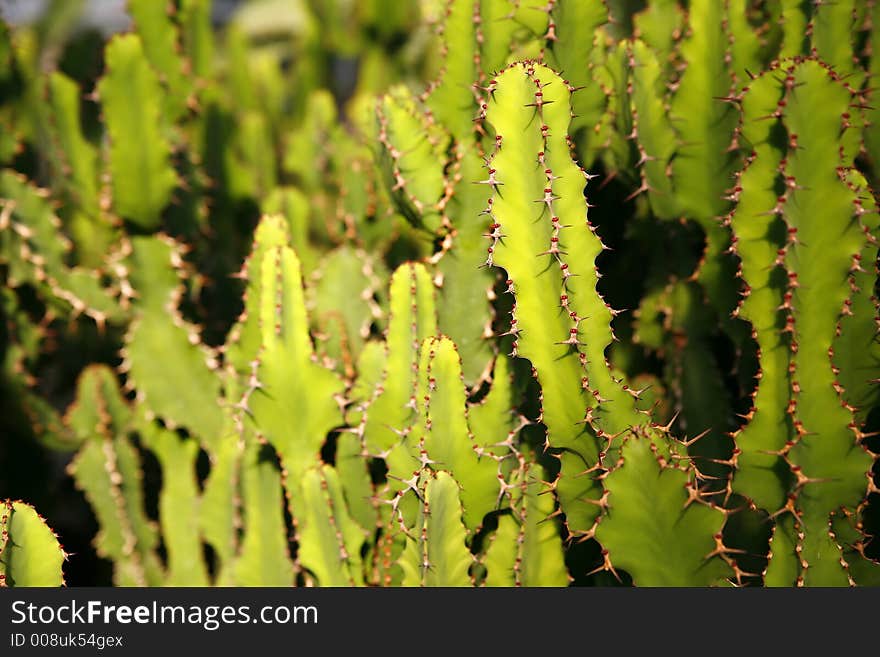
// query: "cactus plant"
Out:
[546,292]
[30,554]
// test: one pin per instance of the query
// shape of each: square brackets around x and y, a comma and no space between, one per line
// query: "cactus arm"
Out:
[495,33]
[438,185]
[834,28]
[747,52]
[705,410]
[159,36]
[526,549]
[354,478]
[783,568]
[293,205]
[534,16]
[241,84]
[619,153]
[435,554]
[179,505]
[704,161]
[578,493]
[525,206]
[264,559]
[530,113]
[76,160]
[36,250]
[243,341]
[491,420]
[290,398]
[329,539]
[826,459]
[140,154]
[80,158]
[444,433]
[197,37]
[656,137]
[412,156]
[659,25]
[294,402]
[463,295]
[391,412]
[698,391]
[306,146]
[384,555]
[219,515]
[846,527]
[451,98]
[856,347]
[656,526]
[759,469]
[370,372]
[795,20]
[821,466]
[30,554]
[536,280]
[182,388]
[107,469]
[342,291]
[571,40]
[255,168]
[98,405]
[703,168]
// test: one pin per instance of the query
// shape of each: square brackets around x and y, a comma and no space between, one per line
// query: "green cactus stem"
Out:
[435,553]
[108,470]
[30,554]
[560,322]
[657,526]
[183,388]
[140,153]
[814,462]
[526,549]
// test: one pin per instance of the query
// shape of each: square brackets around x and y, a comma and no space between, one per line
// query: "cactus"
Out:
[678,546]
[30,554]
[343,272]
[188,396]
[544,292]
[264,558]
[392,403]
[526,550]
[436,554]
[813,462]
[140,154]
[330,539]
[537,221]
[107,468]
[283,399]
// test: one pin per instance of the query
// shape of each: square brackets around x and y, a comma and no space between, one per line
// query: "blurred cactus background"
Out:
[439,292]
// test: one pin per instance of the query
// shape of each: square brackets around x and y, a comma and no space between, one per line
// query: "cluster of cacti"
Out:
[552,291]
